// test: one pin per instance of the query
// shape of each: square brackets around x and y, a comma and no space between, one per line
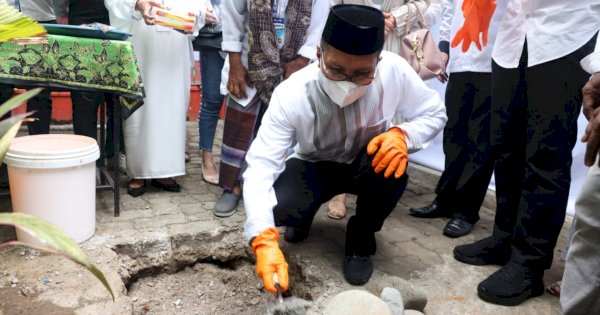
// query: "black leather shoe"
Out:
[173,186]
[487,251]
[433,210]
[357,269]
[511,285]
[457,227]
[295,235]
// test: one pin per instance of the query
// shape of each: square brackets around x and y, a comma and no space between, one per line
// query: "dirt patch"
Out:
[202,289]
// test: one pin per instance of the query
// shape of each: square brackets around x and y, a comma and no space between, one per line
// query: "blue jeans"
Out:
[211,64]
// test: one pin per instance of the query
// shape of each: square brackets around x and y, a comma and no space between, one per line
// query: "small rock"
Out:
[22,253]
[26,291]
[413,298]
[14,280]
[356,302]
[56,273]
[177,303]
[150,284]
[13,285]
[412,312]
[259,285]
[134,299]
[393,299]
[47,281]
[255,300]
[79,275]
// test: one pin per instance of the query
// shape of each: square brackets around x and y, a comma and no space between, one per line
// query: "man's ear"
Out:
[319,54]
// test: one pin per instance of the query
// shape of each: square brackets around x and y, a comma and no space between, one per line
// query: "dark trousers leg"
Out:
[377,197]
[42,105]
[508,139]
[466,145]
[459,103]
[471,186]
[554,103]
[112,101]
[85,112]
[304,186]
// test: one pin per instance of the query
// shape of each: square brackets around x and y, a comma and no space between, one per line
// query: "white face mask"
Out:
[343,93]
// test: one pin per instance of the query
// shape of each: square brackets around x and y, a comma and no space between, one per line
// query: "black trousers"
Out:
[468,160]
[534,129]
[304,186]
[40,104]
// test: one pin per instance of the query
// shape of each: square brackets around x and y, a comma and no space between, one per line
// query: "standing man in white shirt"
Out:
[468,159]
[340,112]
[536,98]
[266,41]
[580,291]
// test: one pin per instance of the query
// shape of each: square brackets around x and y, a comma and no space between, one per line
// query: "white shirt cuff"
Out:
[231,46]
[591,63]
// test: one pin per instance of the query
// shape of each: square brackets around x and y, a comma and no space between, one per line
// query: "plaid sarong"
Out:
[241,125]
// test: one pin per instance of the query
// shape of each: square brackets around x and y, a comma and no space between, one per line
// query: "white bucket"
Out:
[54,177]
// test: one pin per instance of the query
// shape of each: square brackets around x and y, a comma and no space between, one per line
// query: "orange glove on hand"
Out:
[270,260]
[478,16]
[392,154]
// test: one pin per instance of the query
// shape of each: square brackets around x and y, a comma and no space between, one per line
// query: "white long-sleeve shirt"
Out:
[234,15]
[553,29]
[300,110]
[472,60]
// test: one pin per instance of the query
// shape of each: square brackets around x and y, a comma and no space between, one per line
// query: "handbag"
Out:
[419,49]
[209,37]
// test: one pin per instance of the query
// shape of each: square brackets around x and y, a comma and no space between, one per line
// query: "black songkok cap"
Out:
[354,29]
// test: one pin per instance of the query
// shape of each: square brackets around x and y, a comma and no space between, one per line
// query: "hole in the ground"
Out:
[208,287]
[195,275]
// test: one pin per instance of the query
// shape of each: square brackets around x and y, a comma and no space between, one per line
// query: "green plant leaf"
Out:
[18,100]
[7,123]
[54,240]
[6,138]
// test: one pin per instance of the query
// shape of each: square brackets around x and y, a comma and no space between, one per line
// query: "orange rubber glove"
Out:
[392,154]
[478,16]
[270,260]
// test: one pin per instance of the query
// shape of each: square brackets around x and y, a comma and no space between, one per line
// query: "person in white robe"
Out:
[155,133]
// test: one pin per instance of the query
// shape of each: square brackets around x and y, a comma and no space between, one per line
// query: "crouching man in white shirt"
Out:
[340,111]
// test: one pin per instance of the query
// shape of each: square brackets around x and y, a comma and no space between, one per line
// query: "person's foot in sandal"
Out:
[209,169]
[337,207]
[136,187]
[554,288]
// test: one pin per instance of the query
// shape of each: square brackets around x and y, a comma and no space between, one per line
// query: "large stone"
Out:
[413,298]
[393,299]
[412,312]
[356,302]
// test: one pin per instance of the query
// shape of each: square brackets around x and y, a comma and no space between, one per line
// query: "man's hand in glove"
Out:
[478,16]
[270,260]
[392,154]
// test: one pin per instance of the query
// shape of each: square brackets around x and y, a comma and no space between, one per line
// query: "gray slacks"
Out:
[580,289]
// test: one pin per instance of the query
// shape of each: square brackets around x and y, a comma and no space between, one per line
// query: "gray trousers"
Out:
[580,289]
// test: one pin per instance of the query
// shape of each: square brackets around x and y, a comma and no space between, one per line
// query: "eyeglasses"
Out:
[337,75]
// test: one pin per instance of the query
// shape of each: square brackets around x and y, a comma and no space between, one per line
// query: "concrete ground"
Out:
[163,253]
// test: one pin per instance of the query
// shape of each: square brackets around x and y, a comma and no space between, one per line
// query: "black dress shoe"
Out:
[174,187]
[457,227]
[511,285]
[357,269]
[295,235]
[433,210]
[487,251]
